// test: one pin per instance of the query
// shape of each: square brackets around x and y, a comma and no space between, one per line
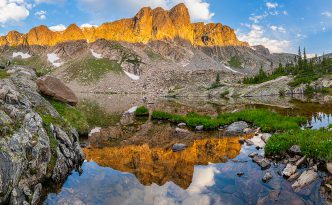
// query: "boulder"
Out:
[182,124]
[329,167]
[265,137]
[236,128]
[182,132]
[289,170]
[179,147]
[306,178]
[199,128]
[295,150]
[53,87]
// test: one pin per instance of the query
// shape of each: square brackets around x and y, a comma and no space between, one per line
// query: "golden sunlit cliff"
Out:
[148,25]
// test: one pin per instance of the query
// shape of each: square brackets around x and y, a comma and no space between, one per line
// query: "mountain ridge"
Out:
[146,26]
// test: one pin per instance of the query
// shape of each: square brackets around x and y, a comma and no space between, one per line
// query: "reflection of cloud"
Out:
[203,178]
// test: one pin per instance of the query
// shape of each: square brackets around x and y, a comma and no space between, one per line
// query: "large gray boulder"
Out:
[31,150]
[53,87]
[236,128]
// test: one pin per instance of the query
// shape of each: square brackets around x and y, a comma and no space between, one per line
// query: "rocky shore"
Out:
[35,147]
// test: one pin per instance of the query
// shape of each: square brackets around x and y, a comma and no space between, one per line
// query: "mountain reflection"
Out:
[158,165]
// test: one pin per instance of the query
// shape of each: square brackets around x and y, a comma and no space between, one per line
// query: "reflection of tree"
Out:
[157,165]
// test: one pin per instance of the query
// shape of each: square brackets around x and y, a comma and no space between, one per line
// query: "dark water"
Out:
[205,173]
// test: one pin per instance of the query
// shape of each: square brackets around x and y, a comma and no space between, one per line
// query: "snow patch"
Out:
[94,130]
[54,59]
[96,55]
[23,55]
[132,76]
[228,68]
[132,110]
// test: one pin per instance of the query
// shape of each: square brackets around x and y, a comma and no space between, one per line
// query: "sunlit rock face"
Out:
[148,25]
[158,165]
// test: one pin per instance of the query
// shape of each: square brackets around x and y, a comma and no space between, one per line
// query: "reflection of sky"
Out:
[320,120]
[213,184]
[99,185]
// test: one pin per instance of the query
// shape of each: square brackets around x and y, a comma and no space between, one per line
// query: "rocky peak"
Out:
[147,25]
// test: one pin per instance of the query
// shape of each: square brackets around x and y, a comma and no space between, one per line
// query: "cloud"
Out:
[256,36]
[257,18]
[13,10]
[327,14]
[59,27]
[271,5]
[199,9]
[280,29]
[203,178]
[87,25]
[41,14]
[49,1]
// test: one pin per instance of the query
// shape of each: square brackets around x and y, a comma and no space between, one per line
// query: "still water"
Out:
[205,173]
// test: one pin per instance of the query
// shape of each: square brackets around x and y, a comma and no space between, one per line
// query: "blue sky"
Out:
[280,25]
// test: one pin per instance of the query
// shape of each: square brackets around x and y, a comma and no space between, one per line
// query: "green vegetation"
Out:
[224,94]
[330,126]
[41,67]
[235,62]
[72,115]
[313,143]
[304,70]
[142,111]
[3,74]
[216,83]
[153,55]
[90,70]
[268,121]
[97,116]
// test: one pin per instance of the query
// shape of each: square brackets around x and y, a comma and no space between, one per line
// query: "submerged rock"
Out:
[53,87]
[236,128]
[179,147]
[306,178]
[199,128]
[267,177]
[262,162]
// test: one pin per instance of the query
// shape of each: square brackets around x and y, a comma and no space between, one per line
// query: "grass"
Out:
[72,115]
[91,70]
[235,62]
[142,111]
[4,74]
[267,120]
[153,55]
[97,116]
[40,66]
[314,143]
[330,126]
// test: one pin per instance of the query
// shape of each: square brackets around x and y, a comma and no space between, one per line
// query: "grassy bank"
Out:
[314,143]
[268,121]
[3,74]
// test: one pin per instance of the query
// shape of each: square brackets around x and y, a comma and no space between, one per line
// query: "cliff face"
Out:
[33,150]
[148,25]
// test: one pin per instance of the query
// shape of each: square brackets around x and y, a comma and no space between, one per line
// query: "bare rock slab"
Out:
[55,88]
[236,128]
[306,178]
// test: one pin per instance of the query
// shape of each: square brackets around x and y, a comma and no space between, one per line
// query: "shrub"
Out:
[235,62]
[142,111]
[3,74]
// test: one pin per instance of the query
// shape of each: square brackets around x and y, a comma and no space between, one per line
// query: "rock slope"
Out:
[148,25]
[36,147]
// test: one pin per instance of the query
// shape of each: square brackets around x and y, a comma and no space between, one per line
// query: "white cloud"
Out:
[41,14]
[48,1]
[199,9]
[59,27]
[13,10]
[271,5]
[202,179]
[280,29]
[256,36]
[87,25]
[327,14]
[257,18]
